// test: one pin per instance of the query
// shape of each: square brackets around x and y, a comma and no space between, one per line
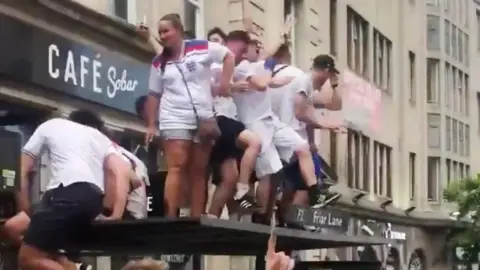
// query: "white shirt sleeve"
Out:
[37,142]
[216,52]
[303,84]
[243,71]
[155,84]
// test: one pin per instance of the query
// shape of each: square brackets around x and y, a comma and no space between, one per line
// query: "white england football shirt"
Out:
[77,153]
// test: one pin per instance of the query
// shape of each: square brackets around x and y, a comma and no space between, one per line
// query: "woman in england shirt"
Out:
[183,67]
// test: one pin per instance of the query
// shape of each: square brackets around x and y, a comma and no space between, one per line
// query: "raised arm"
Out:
[144,32]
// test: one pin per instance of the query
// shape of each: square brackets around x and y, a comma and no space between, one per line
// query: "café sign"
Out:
[41,58]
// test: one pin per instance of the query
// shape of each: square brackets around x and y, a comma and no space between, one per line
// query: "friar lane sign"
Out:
[30,54]
[321,218]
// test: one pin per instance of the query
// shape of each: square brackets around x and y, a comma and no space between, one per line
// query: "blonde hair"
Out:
[146,264]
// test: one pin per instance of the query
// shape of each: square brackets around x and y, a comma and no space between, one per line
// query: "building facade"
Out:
[405,67]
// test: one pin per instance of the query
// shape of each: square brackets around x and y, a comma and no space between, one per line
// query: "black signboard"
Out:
[34,55]
[321,218]
[338,265]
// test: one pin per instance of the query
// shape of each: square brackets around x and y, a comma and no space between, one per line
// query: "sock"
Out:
[242,189]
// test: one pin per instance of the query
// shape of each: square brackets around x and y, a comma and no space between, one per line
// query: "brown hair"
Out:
[146,264]
[176,22]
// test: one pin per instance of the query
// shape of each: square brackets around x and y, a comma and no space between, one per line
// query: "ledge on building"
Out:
[366,208]
[114,28]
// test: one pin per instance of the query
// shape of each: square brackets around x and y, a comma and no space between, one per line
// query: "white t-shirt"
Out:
[137,198]
[251,105]
[283,98]
[176,109]
[77,153]
[223,106]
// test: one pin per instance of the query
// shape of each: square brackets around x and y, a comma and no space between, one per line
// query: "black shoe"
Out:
[247,202]
[317,196]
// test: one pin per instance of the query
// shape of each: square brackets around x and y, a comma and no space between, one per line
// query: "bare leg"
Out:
[226,188]
[252,144]
[176,152]
[31,258]
[307,167]
[198,163]
[16,226]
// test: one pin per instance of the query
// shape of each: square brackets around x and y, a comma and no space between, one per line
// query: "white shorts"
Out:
[279,142]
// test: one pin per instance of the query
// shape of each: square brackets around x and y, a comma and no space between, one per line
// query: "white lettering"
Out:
[398,235]
[83,69]
[121,84]
[300,215]
[149,204]
[53,51]
[96,75]
[70,69]
[117,79]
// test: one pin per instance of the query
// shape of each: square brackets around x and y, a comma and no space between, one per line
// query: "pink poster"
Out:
[362,102]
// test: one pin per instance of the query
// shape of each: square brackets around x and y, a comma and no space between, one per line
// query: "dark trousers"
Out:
[64,214]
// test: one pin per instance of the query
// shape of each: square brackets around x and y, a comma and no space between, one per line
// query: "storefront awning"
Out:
[205,236]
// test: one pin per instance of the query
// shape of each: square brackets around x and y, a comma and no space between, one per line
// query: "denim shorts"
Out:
[180,134]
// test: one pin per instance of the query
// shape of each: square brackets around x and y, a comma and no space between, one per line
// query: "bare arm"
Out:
[119,171]
[23,200]
[306,113]
[227,74]
[277,82]
[153,42]
[153,103]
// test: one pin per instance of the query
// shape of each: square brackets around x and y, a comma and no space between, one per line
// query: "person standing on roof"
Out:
[180,78]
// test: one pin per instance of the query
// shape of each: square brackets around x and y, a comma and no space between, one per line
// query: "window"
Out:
[454,43]
[478,29]
[433,80]
[357,42]
[454,88]
[124,9]
[478,110]
[461,138]
[433,164]
[193,18]
[448,164]
[290,9]
[461,50]
[412,165]
[382,52]
[455,174]
[448,135]
[447,37]
[382,169]
[353,157]
[467,140]
[460,171]
[333,27]
[445,6]
[455,136]
[433,4]
[358,156]
[433,33]
[448,89]
[433,130]
[459,88]
[366,163]
[466,40]
[412,65]
[467,95]
[467,170]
